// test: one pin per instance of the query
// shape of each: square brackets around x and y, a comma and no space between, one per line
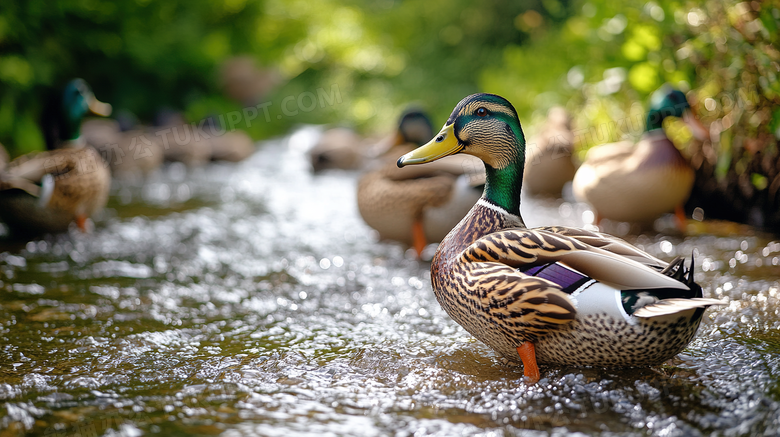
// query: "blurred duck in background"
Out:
[232,146]
[244,81]
[130,152]
[339,148]
[344,149]
[197,144]
[44,192]
[549,161]
[638,183]
[417,205]
[181,142]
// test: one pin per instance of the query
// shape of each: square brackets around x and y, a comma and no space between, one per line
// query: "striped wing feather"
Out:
[606,264]
[520,301]
[609,243]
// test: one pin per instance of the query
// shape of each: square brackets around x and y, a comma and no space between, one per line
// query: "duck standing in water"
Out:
[552,295]
[44,192]
[638,183]
[420,205]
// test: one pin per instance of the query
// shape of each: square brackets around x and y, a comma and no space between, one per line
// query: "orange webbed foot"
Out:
[527,353]
[81,222]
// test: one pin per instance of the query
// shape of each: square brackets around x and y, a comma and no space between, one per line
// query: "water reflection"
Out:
[256,302]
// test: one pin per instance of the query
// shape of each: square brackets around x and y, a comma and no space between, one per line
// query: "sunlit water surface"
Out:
[251,299]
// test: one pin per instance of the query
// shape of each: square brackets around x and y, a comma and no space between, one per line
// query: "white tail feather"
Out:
[672,306]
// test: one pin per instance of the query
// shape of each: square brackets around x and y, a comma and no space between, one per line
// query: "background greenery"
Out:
[599,58]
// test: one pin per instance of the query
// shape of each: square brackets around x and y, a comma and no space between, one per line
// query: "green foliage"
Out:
[142,55]
[139,55]
[600,58]
[609,56]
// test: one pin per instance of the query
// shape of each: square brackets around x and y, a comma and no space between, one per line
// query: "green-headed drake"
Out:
[417,206]
[638,183]
[552,295]
[44,192]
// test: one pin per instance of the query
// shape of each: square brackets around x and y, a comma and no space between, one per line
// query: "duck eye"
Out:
[482,112]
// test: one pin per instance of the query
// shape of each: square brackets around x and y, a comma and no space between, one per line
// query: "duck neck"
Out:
[72,126]
[502,187]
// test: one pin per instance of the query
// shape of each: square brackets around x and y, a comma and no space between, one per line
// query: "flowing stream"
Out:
[251,299]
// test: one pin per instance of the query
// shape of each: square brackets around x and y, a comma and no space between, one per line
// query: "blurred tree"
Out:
[142,55]
[609,56]
[359,62]
[139,55]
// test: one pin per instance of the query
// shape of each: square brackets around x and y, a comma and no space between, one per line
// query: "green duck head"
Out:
[77,100]
[485,126]
[666,102]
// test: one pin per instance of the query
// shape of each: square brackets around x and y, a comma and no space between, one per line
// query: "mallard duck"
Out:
[417,206]
[232,146]
[338,148]
[44,192]
[129,153]
[549,161]
[196,144]
[552,295]
[638,183]
[182,142]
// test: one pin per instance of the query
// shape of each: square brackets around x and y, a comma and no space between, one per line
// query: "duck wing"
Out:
[25,173]
[613,263]
[29,172]
[601,257]
[609,243]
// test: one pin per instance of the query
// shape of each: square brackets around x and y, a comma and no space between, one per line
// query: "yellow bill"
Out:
[443,144]
[99,108]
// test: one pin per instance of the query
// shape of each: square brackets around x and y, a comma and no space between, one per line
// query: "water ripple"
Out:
[251,299]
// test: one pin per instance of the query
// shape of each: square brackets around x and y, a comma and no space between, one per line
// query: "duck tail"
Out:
[666,306]
[689,277]
[676,269]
